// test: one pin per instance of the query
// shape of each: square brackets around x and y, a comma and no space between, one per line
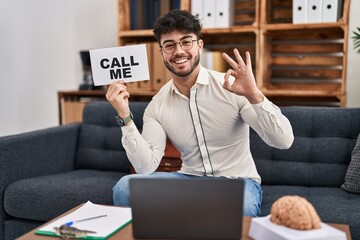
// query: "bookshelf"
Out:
[294,64]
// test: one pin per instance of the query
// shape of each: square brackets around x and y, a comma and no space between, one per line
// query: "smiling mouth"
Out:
[180,61]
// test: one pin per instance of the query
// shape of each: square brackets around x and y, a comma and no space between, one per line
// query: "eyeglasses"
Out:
[186,44]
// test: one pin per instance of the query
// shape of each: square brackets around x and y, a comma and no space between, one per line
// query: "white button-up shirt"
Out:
[210,129]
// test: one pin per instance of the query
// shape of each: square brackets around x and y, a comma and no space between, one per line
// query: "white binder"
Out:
[314,11]
[224,13]
[209,7]
[197,9]
[331,10]
[300,11]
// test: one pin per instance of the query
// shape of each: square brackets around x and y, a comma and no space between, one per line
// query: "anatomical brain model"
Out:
[294,212]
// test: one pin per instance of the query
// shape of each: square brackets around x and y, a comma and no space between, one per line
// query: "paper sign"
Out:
[128,63]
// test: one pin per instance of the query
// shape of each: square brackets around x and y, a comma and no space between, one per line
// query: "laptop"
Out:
[200,208]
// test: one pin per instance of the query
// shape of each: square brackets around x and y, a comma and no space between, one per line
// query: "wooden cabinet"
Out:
[71,103]
[294,64]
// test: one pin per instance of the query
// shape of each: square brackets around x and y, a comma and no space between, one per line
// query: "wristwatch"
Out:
[123,121]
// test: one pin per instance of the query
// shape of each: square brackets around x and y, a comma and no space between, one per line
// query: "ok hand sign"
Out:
[244,83]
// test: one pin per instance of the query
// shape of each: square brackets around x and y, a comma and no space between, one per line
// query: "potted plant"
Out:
[356,39]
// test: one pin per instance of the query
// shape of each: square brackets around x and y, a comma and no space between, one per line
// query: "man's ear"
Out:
[200,43]
[161,51]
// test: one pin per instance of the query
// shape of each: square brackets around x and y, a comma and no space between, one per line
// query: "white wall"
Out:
[40,42]
[353,62]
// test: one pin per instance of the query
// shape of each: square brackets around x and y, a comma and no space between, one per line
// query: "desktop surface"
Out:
[127,234]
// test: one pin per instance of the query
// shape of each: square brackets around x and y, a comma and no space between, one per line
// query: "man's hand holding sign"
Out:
[117,66]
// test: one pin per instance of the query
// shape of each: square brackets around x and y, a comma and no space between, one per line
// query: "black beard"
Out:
[185,74]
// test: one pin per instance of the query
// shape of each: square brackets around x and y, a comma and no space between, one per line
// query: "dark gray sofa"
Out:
[47,172]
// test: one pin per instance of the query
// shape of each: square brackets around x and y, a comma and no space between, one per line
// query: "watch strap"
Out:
[123,121]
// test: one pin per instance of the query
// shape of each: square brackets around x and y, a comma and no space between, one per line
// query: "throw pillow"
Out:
[352,177]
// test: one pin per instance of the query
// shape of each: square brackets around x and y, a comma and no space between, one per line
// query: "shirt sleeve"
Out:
[269,123]
[145,150]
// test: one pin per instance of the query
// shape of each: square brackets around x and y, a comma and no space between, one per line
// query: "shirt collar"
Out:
[202,79]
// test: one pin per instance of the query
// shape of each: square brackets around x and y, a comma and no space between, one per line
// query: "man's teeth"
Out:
[181,61]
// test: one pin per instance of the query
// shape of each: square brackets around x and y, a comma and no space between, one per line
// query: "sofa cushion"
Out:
[352,178]
[46,197]
[321,151]
[99,145]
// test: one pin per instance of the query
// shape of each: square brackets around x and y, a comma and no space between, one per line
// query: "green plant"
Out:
[356,39]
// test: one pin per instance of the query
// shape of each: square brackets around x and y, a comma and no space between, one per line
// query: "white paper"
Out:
[104,226]
[263,228]
[128,63]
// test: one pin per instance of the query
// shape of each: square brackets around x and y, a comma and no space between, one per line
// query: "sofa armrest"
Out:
[37,153]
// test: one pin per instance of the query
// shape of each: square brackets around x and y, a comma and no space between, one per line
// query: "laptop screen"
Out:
[195,208]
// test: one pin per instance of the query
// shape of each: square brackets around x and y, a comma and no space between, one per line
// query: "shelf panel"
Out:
[232,30]
[316,90]
[136,33]
[290,26]
[306,101]
[205,31]
[298,93]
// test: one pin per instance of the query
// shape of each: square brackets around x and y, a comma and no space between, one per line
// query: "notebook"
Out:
[199,208]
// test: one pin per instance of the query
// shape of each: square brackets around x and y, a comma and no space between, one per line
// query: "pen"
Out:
[85,219]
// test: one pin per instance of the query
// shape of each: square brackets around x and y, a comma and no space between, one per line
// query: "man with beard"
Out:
[204,113]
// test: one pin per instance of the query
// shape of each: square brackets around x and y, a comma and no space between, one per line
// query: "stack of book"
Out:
[316,11]
[145,12]
[213,13]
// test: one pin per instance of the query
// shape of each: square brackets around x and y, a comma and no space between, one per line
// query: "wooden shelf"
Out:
[299,93]
[292,60]
[136,33]
[313,26]
[233,30]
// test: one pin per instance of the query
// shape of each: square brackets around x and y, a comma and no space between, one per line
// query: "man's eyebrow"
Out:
[186,36]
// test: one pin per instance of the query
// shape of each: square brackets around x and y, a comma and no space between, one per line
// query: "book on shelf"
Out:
[144,13]
[331,10]
[214,13]
[316,11]
[213,60]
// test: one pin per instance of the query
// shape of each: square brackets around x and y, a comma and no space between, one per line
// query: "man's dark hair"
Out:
[179,20]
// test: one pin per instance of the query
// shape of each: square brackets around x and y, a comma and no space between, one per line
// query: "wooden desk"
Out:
[126,232]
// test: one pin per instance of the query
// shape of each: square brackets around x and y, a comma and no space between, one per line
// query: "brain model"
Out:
[294,212]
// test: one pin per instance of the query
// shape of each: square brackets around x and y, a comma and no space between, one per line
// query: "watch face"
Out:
[119,121]
[123,121]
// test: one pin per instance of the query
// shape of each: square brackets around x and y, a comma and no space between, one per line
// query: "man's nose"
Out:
[178,47]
